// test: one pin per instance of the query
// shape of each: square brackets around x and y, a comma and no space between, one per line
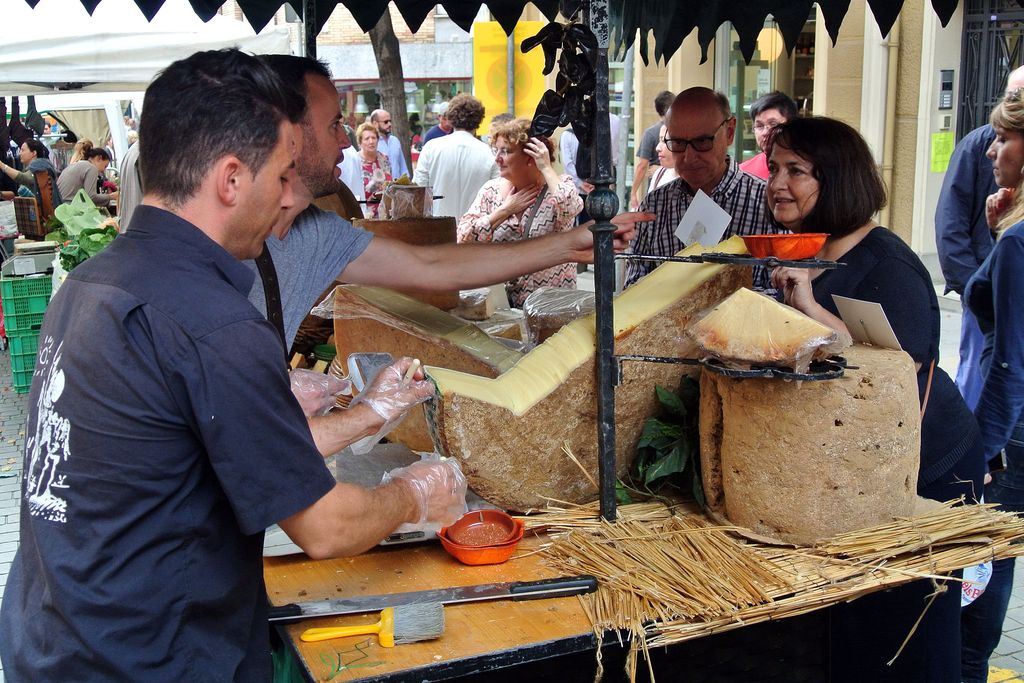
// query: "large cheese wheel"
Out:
[508,433]
[801,462]
[374,319]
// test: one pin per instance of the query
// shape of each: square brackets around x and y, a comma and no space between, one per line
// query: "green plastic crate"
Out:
[22,381]
[23,342]
[22,322]
[25,299]
[21,286]
[23,362]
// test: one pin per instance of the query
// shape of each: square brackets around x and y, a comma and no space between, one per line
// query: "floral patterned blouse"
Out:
[375,174]
[557,213]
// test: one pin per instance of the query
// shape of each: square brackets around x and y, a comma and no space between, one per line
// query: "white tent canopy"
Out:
[58,46]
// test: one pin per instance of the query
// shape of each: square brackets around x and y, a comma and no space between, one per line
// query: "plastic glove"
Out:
[439,487]
[390,396]
[315,391]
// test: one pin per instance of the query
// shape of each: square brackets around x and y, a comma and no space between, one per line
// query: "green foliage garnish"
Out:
[668,459]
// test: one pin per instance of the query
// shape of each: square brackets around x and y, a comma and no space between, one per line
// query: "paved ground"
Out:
[1007,663]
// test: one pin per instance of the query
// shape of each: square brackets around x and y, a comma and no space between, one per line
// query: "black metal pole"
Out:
[309,27]
[602,205]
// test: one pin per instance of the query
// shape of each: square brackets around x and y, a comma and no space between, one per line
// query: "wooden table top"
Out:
[477,636]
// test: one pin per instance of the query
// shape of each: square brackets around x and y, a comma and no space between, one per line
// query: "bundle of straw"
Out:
[667,574]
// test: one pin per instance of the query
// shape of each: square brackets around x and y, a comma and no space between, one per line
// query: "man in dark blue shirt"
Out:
[162,435]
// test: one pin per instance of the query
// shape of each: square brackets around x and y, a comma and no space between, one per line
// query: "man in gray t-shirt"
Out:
[307,259]
[320,247]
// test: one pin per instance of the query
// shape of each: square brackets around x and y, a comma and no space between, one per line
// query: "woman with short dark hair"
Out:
[86,175]
[823,178]
[34,158]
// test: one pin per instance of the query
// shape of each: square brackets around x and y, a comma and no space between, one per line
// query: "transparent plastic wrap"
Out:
[509,324]
[748,329]
[406,201]
[348,302]
[549,309]
[337,370]
[316,392]
[475,304]
[391,394]
[439,487]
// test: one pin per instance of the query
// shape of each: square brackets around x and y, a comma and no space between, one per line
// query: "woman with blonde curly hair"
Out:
[527,200]
[993,295]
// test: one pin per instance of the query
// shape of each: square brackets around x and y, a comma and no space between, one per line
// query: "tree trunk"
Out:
[392,80]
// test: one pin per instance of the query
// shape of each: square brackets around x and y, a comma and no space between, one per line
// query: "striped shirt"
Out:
[739,193]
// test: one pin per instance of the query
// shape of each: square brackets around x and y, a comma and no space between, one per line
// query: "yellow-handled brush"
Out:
[397,625]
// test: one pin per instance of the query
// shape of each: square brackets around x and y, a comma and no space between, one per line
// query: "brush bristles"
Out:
[414,623]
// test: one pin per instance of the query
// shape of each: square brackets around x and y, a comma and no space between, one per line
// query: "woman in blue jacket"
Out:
[993,295]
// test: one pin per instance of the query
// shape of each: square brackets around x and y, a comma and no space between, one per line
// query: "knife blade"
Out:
[512,590]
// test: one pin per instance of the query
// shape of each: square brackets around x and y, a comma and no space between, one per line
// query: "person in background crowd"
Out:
[369,168]
[8,185]
[993,295]
[699,131]
[389,144]
[497,121]
[443,127]
[823,178]
[963,236]
[646,154]
[457,165]
[767,112]
[569,148]
[528,200]
[156,357]
[34,158]
[85,175]
[81,147]
[666,172]
[131,186]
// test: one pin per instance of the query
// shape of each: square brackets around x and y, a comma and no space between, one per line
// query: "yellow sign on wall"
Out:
[490,69]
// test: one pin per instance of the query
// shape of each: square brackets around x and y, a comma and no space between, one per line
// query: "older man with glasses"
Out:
[699,129]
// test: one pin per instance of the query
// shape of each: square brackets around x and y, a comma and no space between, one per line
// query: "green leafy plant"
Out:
[668,458]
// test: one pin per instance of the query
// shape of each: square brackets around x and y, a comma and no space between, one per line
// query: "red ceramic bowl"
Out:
[484,528]
[478,555]
[787,247]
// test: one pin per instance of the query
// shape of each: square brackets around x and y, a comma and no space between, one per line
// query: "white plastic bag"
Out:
[8,222]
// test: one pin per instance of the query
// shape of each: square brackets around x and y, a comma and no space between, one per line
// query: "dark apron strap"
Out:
[272,294]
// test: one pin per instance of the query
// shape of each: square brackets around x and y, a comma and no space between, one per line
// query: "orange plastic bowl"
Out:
[495,554]
[787,247]
[484,528]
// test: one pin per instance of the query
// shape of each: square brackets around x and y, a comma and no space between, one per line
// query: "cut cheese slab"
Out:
[752,328]
[508,433]
[373,319]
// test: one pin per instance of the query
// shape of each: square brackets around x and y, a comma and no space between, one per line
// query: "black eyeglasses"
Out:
[702,144]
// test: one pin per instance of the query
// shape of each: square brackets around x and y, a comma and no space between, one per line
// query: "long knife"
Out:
[513,590]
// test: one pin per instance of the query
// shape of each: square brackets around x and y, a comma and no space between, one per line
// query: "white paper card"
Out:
[867,322]
[704,222]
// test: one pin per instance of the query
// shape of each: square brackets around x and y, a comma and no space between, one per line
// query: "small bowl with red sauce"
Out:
[788,247]
[482,537]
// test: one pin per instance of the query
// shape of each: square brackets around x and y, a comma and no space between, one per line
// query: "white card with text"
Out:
[703,222]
